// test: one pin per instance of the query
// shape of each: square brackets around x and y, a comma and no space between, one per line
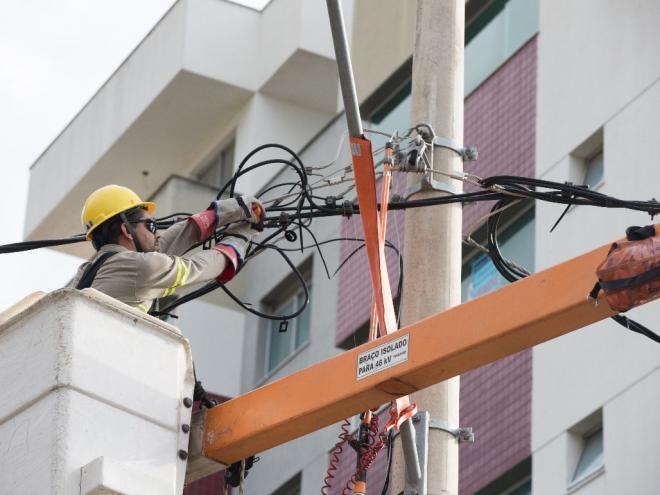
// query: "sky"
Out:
[54,55]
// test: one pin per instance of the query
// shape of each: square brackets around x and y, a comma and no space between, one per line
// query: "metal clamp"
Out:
[414,484]
[428,183]
[463,435]
[469,154]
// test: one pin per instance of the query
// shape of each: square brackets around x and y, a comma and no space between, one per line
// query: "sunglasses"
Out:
[149,223]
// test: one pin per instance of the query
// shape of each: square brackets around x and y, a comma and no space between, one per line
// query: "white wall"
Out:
[216,339]
[598,69]
[272,120]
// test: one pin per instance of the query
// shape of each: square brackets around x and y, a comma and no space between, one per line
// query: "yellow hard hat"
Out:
[108,201]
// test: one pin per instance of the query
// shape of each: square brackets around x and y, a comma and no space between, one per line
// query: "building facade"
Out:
[550,92]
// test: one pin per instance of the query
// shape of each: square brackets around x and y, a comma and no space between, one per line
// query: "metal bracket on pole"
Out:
[469,154]
[462,435]
[414,484]
[417,485]
[428,183]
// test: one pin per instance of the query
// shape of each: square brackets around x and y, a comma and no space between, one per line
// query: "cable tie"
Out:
[653,213]
[347,209]
[284,219]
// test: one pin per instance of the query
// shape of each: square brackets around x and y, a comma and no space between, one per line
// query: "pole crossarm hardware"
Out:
[528,312]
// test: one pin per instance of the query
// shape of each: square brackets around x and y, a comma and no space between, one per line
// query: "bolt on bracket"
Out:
[462,435]
[429,184]
[467,153]
[414,485]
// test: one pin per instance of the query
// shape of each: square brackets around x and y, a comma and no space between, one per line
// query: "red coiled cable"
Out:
[368,452]
[377,440]
[334,456]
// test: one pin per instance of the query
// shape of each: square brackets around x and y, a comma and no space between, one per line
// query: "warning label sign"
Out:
[382,357]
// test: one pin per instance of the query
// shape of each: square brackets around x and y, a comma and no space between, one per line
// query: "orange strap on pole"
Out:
[365,186]
[386,181]
[375,227]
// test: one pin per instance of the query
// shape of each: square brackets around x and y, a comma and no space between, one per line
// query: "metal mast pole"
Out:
[432,242]
[354,122]
[344,66]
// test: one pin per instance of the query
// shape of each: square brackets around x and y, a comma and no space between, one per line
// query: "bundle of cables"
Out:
[290,216]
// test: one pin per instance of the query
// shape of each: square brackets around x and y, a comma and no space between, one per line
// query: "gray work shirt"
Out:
[137,279]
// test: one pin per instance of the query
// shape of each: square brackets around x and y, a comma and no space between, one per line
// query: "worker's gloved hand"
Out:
[234,246]
[233,472]
[226,211]
[239,208]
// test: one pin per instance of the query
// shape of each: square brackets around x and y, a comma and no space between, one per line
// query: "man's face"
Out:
[147,234]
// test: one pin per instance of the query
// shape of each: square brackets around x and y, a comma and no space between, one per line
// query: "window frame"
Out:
[220,166]
[519,216]
[583,157]
[577,442]
[292,329]
[278,298]
[293,486]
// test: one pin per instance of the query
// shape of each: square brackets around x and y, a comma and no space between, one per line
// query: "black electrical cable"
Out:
[272,221]
[281,202]
[636,327]
[507,269]
[399,288]
[239,171]
[211,286]
[512,272]
[301,208]
[18,247]
[401,205]
[386,485]
[566,193]
[499,187]
[300,168]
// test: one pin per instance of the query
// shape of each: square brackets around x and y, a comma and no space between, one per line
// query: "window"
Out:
[592,456]
[522,488]
[291,487]
[496,34]
[594,173]
[587,162]
[516,244]
[515,481]
[585,451]
[220,168]
[285,299]
[492,35]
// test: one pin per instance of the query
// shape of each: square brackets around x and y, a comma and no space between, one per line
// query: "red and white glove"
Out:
[234,247]
[226,211]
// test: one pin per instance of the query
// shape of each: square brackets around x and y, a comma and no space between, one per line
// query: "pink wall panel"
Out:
[500,118]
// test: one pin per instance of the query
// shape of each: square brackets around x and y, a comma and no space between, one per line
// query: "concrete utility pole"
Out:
[433,235]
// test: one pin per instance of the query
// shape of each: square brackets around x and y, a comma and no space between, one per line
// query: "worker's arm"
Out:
[161,275]
[178,238]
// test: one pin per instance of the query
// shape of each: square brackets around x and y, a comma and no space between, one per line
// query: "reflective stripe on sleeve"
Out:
[186,269]
[142,307]
[182,269]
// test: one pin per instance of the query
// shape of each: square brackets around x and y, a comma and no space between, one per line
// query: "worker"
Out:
[137,264]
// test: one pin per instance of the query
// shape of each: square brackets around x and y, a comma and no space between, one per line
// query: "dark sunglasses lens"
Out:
[152,226]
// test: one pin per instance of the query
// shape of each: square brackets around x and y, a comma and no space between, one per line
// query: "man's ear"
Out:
[123,232]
